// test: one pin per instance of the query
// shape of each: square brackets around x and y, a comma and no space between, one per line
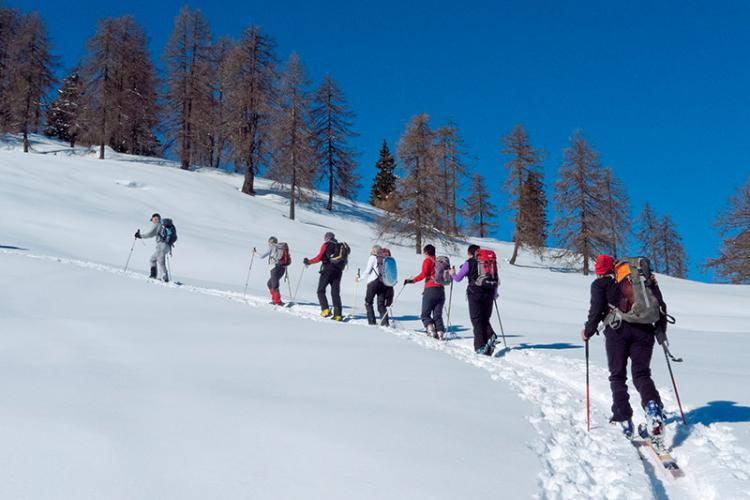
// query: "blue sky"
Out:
[661,89]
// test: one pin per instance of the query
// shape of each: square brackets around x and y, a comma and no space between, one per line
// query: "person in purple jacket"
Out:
[480,304]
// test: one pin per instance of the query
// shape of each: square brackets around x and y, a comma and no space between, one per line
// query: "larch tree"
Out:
[217,126]
[580,228]
[332,132]
[647,235]
[188,97]
[479,210]
[733,262]
[32,75]
[616,211]
[250,91]
[670,250]
[64,113]
[293,161]
[417,214]
[382,194]
[10,21]
[524,158]
[533,223]
[450,170]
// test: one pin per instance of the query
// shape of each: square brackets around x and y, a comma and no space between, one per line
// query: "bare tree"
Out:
[616,211]
[382,194]
[10,21]
[218,127]
[647,235]
[733,262]
[187,59]
[670,250]
[332,130]
[524,159]
[293,162]
[479,210]
[450,169]
[580,228]
[418,214]
[250,79]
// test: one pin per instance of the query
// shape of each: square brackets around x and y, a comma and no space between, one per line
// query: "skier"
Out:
[481,299]
[630,340]
[433,296]
[278,260]
[376,287]
[333,257]
[163,248]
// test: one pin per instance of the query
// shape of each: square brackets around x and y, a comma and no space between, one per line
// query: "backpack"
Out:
[338,253]
[167,232]
[486,270]
[637,302]
[281,254]
[442,271]
[381,255]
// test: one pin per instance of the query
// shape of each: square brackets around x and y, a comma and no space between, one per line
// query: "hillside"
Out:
[115,386]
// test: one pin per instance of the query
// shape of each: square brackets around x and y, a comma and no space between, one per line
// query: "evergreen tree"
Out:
[250,81]
[64,114]
[647,235]
[580,227]
[449,147]
[384,183]
[670,251]
[733,262]
[524,159]
[293,162]
[533,222]
[417,214]
[478,208]
[332,130]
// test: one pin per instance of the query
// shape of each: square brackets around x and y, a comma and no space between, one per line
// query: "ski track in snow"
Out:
[575,463]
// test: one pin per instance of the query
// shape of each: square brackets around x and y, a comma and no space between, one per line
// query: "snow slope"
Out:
[120,387]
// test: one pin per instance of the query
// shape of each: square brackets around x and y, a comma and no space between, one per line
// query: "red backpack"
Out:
[486,269]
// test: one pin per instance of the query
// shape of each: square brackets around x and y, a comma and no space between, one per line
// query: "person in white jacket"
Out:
[376,287]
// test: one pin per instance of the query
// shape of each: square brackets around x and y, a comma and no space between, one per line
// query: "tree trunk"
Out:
[515,252]
[292,195]
[419,240]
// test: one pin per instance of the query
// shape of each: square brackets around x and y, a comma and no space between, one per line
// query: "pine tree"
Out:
[293,162]
[580,229]
[478,208]
[382,194]
[417,214]
[616,211]
[524,159]
[250,95]
[733,262]
[64,114]
[450,153]
[32,75]
[647,235]
[332,130]
[533,222]
[670,251]
[187,58]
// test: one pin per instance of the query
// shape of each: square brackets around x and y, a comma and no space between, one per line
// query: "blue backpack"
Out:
[168,232]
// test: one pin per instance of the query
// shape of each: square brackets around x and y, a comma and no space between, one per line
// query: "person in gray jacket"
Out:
[159,256]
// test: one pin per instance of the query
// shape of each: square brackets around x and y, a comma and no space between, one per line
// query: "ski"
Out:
[656,445]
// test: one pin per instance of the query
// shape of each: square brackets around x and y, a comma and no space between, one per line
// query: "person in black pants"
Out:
[433,297]
[376,288]
[630,340]
[481,301]
[330,275]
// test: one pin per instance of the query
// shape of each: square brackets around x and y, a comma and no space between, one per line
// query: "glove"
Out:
[306,261]
[584,337]
[254,250]
[138,235]
[408,281]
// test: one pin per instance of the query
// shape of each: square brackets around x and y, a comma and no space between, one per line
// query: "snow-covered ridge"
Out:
[66,229]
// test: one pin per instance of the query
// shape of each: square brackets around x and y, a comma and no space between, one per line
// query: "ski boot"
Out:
[338,317]
[153,273]
[440,335]
[431,331]
[326,313]
[654,418]
[627,428]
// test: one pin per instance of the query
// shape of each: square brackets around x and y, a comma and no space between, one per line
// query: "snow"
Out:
[119,387]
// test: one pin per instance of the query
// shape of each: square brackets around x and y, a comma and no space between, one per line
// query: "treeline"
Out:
[221,101]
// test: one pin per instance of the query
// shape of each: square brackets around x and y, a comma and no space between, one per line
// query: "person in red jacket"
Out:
[433,297]
[330,274]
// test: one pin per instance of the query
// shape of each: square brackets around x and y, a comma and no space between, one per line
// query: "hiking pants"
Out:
[159,258]
[480,312]
[277,273]
[433,299]
[330,276]
[636,343]
[385,299]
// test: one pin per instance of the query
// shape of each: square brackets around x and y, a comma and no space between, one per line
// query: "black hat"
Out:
[156,215]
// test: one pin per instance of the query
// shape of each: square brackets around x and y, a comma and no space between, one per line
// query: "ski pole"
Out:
[354,304]
[588,396]
[389,312]
[674,383]
[288,282]
[167,259]
[294,297]
[247,280]
[127,263]
[499,319]
[450,299]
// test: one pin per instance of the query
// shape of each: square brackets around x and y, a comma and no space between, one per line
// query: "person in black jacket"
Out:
[330,274]
[630,340]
